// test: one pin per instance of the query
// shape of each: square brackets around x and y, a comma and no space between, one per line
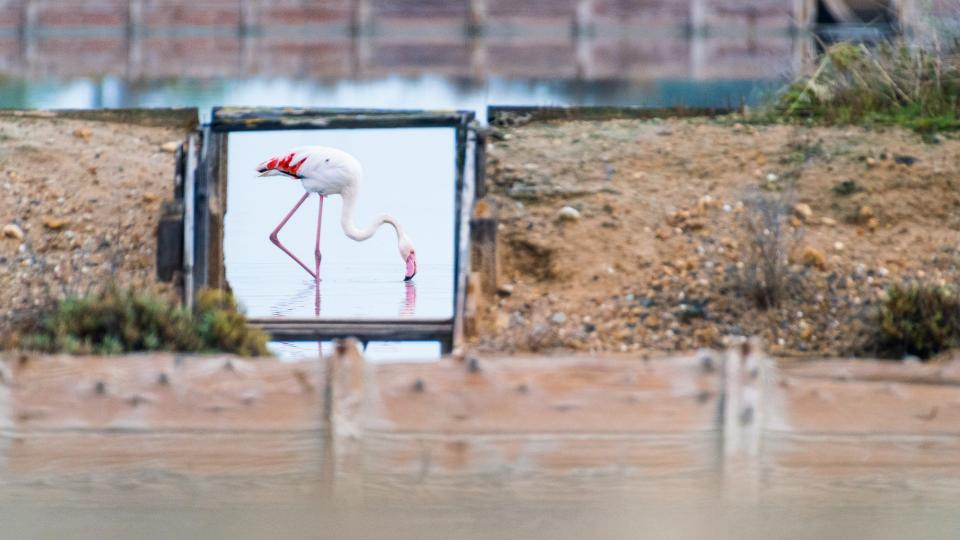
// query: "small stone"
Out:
[882,271]
[170,147]
[864,214]
[505,290]
[771,177]
[803,211]
[559,317]
[54,224]
[83,134]
[905,160]
[814,257]
[873,223]
[11,230]
[568,213]
[829,222]
[150,197]
[838,246]
[871,162]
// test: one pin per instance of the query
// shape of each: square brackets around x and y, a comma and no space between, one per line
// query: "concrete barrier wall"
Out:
[597,39]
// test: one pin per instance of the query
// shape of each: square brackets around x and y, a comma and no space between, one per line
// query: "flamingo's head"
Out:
[266,170]
[409,256]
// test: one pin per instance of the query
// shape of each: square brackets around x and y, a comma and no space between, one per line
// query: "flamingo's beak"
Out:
[411,267]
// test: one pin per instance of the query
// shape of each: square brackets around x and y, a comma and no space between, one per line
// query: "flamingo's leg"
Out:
[316,252]
[276,240]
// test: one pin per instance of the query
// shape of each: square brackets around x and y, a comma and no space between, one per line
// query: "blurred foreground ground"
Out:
[707,445]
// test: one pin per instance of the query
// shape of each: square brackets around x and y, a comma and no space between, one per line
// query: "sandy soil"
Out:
[652,257]
[79,206]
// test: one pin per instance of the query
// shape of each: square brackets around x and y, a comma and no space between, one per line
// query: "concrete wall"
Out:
[371,38]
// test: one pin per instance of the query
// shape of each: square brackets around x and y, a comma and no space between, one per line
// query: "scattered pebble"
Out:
[559,317]
[170,147]
[814,257]
[803,211]
[568,213]
[54,223]
[12,231]
[84,134]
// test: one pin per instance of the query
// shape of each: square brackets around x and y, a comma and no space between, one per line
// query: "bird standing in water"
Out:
[329,171]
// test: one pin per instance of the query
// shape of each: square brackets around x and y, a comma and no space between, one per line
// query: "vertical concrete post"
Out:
[134,38]
[804,12]
[742,419]
[742,399]
[359,36]
[697,31]
[345,389]
[476,17]
[583,18]
[698,16]
[28,33]
[248,17]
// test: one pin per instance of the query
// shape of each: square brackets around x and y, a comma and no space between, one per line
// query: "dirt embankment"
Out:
[79,206]
[650,253]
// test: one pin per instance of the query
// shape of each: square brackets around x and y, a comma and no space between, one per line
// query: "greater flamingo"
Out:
[329,171]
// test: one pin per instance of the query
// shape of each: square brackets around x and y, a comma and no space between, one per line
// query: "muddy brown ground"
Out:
[654,261]
[79,207]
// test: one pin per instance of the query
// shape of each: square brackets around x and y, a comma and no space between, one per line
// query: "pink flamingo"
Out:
[328,171]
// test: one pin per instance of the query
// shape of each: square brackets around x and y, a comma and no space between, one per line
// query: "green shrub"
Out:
[919,320]
[891,83]
[118,320]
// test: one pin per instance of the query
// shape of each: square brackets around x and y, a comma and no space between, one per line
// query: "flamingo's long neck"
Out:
[352,231]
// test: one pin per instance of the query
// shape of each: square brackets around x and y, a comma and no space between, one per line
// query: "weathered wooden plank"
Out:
[364,330]
[170,241]
[503,115]
[159,392]
[419,457]
[802,405]
[542,395]
[217,208]
[835,451]
[36,454]
[483,253]
[176,117]
[273,118]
